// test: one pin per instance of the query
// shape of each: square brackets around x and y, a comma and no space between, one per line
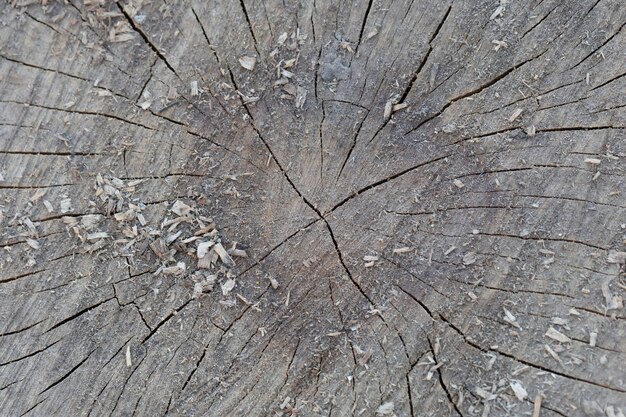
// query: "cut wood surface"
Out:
[312,208]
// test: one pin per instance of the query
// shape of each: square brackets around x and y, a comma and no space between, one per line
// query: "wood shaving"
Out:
[203,249]
[616,257]
[537,405]
[371,34]
[180,208]
[388,109]
[248,62]
[129,361]
[515,115]
[227,286]
[224,256]
[301,93]
[518,389]
[498,12]
[386,408]
[554,355]
[554,334]
[404,249]
[32,243]
[66,205]
[469,258]
[273,282]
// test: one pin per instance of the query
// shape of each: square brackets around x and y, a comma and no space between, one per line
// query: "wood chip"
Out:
[511,319]
[203,249]
[554,355]
[387,112]
[554,334]
[366,357]
[616,257]
[404,249]
[248,62]
[531,130]
[469,258]
[386,408]
[97,235]
[180,208]
[537,405]
[129,361]
[228,286]
[515,115]
[194,88]
[593,338]
[370,258]
[273,282]
[498,12]
[519,390]
[32,243]
[48,206]
[300,97]
[399,106]
[66,205]
[458,183]
[612,302]
[38,194]
[499,44]
[449,251]
[224,256]
[593,161]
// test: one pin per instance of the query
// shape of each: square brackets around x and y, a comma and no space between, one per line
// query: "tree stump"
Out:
[312,208]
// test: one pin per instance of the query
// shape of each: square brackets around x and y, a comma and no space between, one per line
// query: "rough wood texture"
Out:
[492,282]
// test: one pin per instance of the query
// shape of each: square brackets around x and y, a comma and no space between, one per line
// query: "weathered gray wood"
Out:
[489,226]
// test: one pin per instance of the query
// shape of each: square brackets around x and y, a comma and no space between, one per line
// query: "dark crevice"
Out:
[33,407]
[384,181]
[580,128]
[419,302]
[141,33]
[78,314]
[245,13]
[475,91]
[22,329]
[30,354]
[417,72]
[52,153]
[117,401]
[537,24]
[367,12]
[26,64]
[544,238]
[525,362]
[67,375]
[352,146]
[5,280]
[165,320]
[441,382]
[83,112]
[599,47]
[416,277]
[11,384]
[609,81]
[345,267]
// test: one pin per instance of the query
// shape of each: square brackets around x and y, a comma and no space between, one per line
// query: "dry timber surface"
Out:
[312,208]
